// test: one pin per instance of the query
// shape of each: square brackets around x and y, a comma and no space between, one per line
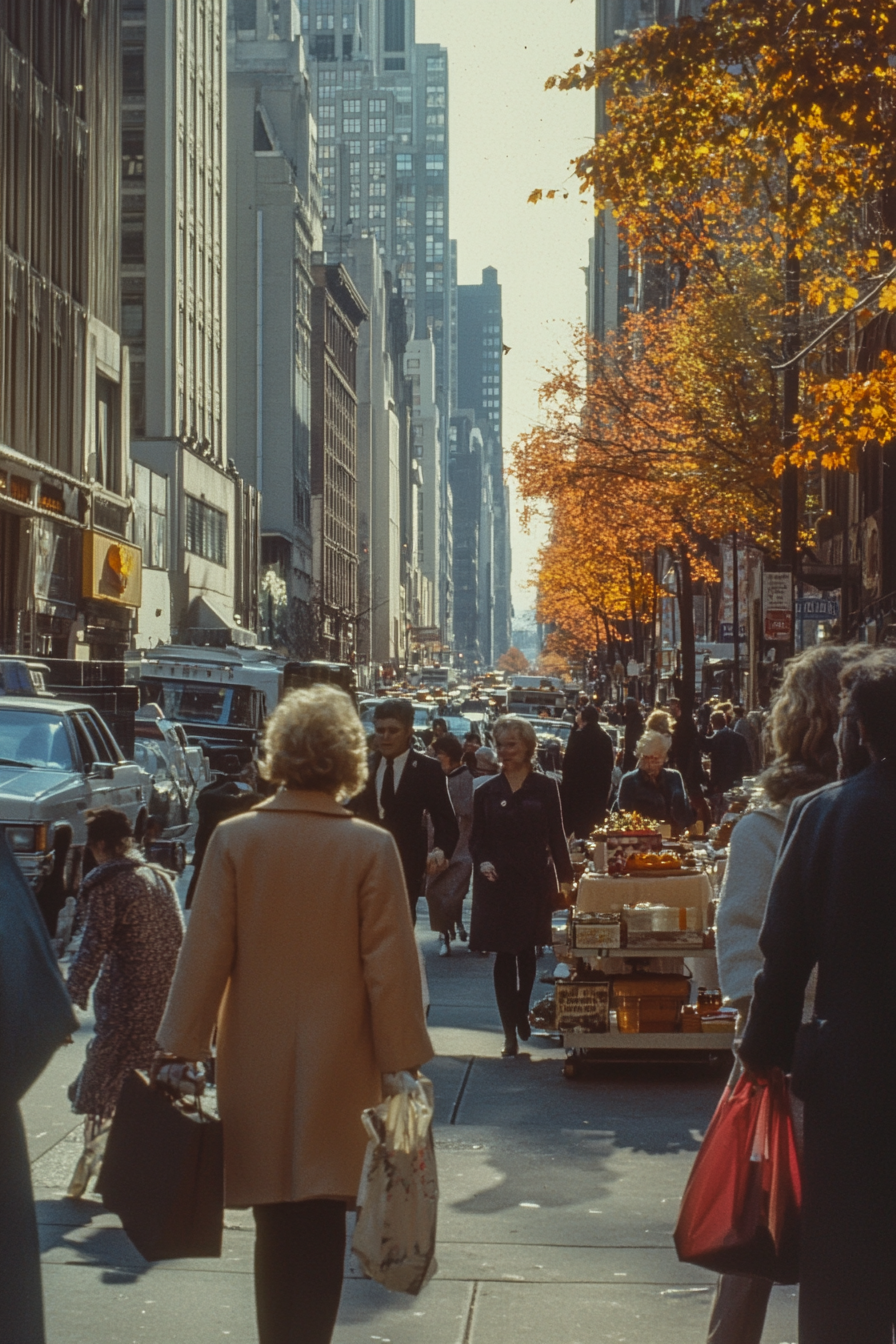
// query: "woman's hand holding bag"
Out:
[741,1206]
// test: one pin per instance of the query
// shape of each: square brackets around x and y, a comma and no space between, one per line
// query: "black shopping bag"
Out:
[163,1174]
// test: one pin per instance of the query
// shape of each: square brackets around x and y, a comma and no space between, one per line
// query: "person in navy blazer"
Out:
[403,786]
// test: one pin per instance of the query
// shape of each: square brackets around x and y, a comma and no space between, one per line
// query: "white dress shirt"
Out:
[397,767]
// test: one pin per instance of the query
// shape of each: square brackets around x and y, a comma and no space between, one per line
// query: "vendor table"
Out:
[602,894]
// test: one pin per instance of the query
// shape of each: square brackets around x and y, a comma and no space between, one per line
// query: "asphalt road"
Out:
[558,1201]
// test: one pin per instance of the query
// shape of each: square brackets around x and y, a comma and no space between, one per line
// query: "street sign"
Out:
[426,634]
[817,609]
[777,605]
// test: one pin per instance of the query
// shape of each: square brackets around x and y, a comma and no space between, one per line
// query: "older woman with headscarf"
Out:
[652,790]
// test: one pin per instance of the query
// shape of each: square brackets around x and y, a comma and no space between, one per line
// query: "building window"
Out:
[131,319]
[352,106]
[394,63]
[206,530]
[351,125]
[435,163]
[435,63]
[106,436]
[377,126]
[377,211]
[376,105]
[404,163]
[376,147]
[435,96]
[131,154]
[151,516]
[377,189]
[132,81]
[395,27]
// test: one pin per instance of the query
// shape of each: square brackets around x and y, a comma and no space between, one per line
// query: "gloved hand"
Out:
[178,1077]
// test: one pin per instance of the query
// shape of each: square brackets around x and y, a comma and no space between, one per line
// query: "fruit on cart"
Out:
[650,862]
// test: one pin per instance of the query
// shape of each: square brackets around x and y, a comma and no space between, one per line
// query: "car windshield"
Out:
[35,739]
[459,727]
[193,702]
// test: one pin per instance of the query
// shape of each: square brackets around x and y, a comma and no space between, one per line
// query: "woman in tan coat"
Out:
[300,948]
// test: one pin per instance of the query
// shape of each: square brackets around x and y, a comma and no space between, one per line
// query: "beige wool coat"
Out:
[300,947]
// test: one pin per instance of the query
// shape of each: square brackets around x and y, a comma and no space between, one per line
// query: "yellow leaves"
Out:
[844,415]
[887,298]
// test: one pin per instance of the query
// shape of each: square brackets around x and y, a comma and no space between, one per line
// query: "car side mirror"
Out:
[101,770]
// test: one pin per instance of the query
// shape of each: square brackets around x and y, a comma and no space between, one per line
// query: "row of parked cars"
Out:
[59,758]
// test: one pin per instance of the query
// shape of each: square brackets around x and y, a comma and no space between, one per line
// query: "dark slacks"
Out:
[514,978]
[21,1298]
[299,1255]
[738,1312]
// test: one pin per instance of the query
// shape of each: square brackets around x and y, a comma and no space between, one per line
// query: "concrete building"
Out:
[381,104]
[273,227]
[69,580]
[337,311]
[433,528]
[173,305]
[384,434]
[466,452]
[480,344]
[615,281]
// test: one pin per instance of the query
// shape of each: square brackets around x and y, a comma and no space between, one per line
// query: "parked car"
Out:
[57,760]
[178,770]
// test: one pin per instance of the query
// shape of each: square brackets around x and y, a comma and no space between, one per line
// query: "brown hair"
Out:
[109,826]
[803,724]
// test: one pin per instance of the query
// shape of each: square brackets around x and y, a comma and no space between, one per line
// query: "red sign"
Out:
[778,624]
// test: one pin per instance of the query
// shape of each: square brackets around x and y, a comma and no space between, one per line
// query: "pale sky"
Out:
[508,136]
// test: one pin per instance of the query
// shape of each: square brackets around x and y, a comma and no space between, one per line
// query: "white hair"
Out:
[652,743]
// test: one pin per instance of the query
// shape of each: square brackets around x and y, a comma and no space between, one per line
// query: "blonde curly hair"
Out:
[803,724]
[314,740]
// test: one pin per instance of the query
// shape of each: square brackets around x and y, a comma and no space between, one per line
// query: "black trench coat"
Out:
[522,835]
[833,902]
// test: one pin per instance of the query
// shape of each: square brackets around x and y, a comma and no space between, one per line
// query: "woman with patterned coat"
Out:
[133,930]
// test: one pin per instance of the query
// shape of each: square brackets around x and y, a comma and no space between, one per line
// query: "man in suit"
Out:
[404,785]
[729,760]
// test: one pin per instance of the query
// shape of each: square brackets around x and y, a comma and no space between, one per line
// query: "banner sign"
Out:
[818,609]
[777,605]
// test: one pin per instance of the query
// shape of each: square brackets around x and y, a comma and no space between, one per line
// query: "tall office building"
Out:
[382,115]
[173,303]
[273,217]
[337,311]
[615,281]
[480,343]
[69,580]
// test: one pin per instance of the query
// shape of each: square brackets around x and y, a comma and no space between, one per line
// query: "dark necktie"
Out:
[387,791]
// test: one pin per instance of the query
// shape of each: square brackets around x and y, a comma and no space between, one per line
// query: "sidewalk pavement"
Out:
[558,1201]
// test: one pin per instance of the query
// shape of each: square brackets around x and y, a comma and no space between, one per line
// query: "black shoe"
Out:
[510,1047]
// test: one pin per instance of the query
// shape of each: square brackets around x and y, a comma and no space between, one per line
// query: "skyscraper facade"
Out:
[173,303]
[64,481]
[480,392]
[273,230]
[615,282]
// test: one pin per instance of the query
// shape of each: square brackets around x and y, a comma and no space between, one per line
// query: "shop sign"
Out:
[777,605]
[113,570]
[818,609]
[426,634]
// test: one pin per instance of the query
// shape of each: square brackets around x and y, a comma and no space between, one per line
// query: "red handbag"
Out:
[740,1210]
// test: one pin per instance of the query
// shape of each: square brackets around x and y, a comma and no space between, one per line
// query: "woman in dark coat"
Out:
[587,774]
[519,852]
[833,904]
[652,790]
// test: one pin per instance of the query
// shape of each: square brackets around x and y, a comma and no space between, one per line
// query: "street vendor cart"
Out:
[637,943]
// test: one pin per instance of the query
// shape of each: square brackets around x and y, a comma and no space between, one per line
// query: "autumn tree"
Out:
[514,660]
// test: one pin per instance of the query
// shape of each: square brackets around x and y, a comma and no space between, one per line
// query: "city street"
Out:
[558,1201]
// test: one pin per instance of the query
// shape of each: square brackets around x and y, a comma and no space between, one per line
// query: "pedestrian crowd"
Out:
[331,848]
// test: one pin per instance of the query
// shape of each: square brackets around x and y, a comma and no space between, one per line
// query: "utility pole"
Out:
[790,401]
[735,614]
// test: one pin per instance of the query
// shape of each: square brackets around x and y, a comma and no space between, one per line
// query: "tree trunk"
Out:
[688,642]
